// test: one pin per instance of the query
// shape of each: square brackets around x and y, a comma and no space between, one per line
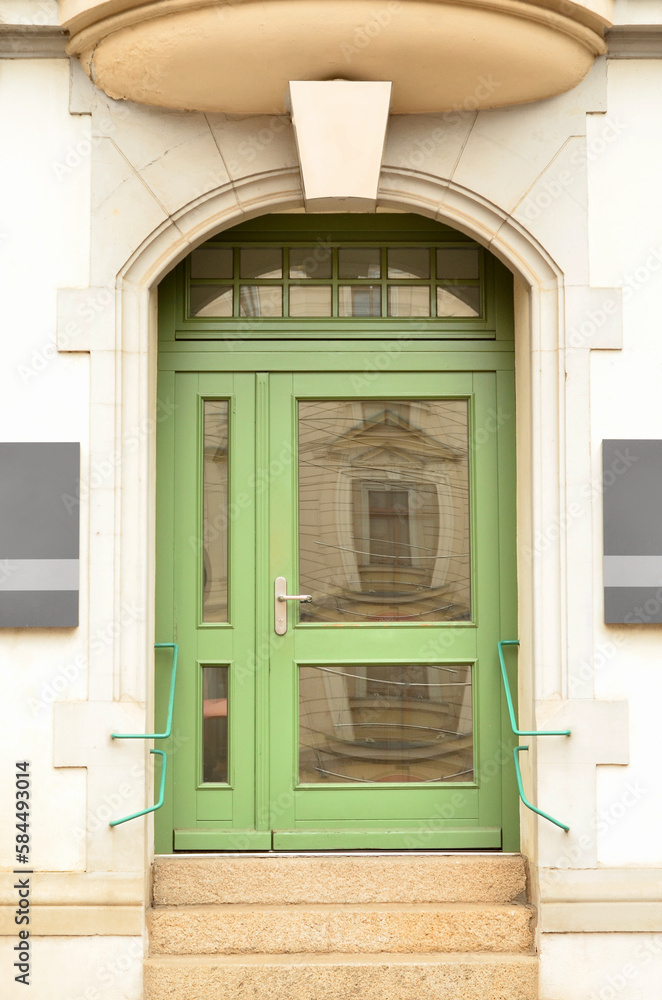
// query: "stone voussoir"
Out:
[338,977]
[350,928]
[339,878]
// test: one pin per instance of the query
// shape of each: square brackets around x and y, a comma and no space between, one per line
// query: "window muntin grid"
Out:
[363,282]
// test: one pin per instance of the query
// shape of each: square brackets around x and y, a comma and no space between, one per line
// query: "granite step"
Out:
[342,976]
[371,877]
[350,928]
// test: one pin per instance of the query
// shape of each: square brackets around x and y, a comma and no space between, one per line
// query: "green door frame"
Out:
[263,379]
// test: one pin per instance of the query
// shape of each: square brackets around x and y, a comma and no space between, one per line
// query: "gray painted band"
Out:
[633,571]
[38,574]
[39,609]
[633,605]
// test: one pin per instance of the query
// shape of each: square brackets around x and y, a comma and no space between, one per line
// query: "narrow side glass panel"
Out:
[214,511]
[215,724]
[385,723]
[384,510]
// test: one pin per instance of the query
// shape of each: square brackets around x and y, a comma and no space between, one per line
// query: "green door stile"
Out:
[256,800]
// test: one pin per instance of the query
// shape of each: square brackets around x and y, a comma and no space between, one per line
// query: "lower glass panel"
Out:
[385,723]
[215,724]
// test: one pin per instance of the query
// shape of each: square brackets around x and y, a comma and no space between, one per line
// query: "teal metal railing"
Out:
[155,736]
[525,732]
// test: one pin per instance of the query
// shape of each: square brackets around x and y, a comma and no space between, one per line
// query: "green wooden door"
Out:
[375,720]
[339,415]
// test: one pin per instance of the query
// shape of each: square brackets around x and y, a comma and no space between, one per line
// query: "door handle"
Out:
[280,607]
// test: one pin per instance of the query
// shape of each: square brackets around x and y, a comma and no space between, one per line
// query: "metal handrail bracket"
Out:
[155,736]
[525,732]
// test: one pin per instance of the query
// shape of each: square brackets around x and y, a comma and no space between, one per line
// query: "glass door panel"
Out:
[384,510]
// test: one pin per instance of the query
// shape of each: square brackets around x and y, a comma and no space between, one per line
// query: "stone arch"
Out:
[538,337]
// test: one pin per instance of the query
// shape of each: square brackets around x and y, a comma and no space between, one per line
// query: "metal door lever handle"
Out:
[280,596]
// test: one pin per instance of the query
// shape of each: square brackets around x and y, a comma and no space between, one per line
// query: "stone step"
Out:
[350,928]
[429,877]
[341,976]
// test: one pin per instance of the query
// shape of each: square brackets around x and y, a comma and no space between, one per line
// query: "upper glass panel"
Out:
[215,511]
[384,510]
[370,285]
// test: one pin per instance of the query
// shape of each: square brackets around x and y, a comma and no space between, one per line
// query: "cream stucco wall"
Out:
[104,198]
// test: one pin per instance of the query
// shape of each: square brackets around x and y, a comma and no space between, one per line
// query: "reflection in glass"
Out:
[408,300]
[311,262]
[260,262]
[384,510]
[212,262]
[260,300]
[211,300]
[359,262]
[408,262]
[385,723]
[359,300]
[215,724]
[458,300]
[458,262]
[310,300]
[215,511]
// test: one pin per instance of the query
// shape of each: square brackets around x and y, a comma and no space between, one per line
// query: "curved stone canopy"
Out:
[238,57]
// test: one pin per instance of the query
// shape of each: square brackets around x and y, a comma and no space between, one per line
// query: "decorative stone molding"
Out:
[209,55]
[32,41]
[635,41]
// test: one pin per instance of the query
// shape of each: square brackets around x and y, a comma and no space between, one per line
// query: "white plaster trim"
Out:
[77,921]
[600,917]
[581,885]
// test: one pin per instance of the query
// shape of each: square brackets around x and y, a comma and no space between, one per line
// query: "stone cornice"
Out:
[32,41]
[635,41]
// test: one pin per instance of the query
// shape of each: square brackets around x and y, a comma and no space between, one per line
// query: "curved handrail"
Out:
[155,736]
[525,732]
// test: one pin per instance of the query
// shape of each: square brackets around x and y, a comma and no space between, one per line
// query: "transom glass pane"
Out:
[458,300]
[360,300]
[211,300]
[310,300]
[260,300]
[408,300]
[385,723]
[408,262]
[215,724]
[384,510]
[260,262]
[215,511]
[212,262]
[311,262]
[359,262]
[458,262]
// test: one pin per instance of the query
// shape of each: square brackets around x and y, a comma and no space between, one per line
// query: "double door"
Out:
[336,563]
